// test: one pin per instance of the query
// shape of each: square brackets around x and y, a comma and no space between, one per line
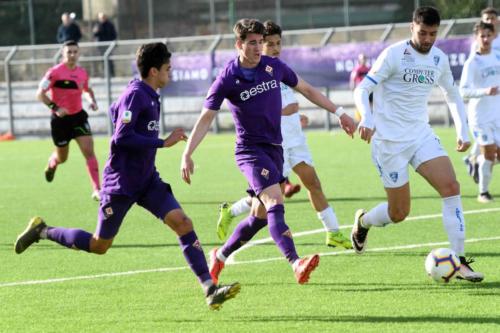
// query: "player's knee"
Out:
[182,226]
[100,248]
[398,214]
[313,184]
[451,188]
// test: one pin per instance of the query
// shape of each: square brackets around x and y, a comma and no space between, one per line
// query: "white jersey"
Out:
[495,45]
[481,72]
[402,80]
[291,129]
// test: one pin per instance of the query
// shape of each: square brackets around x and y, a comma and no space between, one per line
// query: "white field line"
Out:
[317,231]
[233,262]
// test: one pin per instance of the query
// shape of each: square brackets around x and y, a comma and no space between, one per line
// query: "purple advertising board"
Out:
[327,66]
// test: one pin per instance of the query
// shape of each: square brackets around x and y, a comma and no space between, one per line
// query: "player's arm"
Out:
[316,97]
[89,94]
[197,134]
[41,95]
[468,86]
[456,106]
[381,70]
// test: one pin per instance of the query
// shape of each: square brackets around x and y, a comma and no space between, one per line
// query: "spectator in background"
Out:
[68,30]
[357,75]
[104,31]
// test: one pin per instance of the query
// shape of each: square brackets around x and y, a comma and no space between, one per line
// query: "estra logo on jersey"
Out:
[420,76]
[154,125]
[258,89]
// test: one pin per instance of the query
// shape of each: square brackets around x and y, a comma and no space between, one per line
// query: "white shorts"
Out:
[294,156]
[487,134]
[392,158]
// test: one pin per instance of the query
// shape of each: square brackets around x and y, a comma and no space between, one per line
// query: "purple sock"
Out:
[72,238]
[194,255]
[281,233]
[245,230]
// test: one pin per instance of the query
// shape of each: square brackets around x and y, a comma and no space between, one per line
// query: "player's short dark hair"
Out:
[427,15]
[151,55]
[247,26]
[271,28]
[70,43]
[489,10]
[482,26]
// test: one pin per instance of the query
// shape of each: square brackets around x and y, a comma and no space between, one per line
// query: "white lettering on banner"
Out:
[189,74]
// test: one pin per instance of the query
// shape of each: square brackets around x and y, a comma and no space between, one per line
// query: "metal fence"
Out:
[110,65]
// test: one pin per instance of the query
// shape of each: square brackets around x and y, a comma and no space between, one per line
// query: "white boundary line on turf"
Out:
[231,260]
[171,269]
[256,261]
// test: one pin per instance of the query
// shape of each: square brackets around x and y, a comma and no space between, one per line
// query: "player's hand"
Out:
[187,168]
[174,137]
[492,91]
[462,145]
[347,124]
[93,106]
[365,133]
[61,112]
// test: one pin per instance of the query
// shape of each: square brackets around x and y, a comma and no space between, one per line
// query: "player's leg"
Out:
[112,210]
[272,199]
[86,144]
[471,161]
[485,162]
[243,233]
[227,213]
[325,212]
[160,201]
[440,174]
[61,136]
[289,188]
[83,136]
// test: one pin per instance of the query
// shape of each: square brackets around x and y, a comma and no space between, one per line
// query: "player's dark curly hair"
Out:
[151,55]
[247,26]
[482,26]
[427,15]
[271,28]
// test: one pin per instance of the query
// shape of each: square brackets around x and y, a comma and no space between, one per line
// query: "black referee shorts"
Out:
[69,127]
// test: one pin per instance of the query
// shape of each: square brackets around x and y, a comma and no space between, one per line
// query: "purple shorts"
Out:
[262,165]
[157,198]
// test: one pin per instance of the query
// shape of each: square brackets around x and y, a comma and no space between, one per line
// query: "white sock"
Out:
[377,216]
[220,256]
[43,233]
[454,223]
[475,151]
[295,264]
[240,207]
[329,219]
[206,285]
[485,167]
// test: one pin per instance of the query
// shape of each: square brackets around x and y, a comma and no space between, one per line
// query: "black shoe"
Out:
[30,235]
[49,173]
[216,295]
[485,197]
[467,273]
[475,172]
[359,233]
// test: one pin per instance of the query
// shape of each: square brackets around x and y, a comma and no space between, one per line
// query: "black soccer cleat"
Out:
[216,295]
[50,173]
[30,235]
[359,233]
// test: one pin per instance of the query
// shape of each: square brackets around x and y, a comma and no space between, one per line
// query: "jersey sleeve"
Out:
[468,86]
[126,120]
[47,81]
[453,99]
[216,94]
[381,70]
[289,77]
[85,80]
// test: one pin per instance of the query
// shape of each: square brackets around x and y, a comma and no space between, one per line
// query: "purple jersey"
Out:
[131,163]
[255,105]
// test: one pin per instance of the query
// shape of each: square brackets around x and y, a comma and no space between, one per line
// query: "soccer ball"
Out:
[442,265]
